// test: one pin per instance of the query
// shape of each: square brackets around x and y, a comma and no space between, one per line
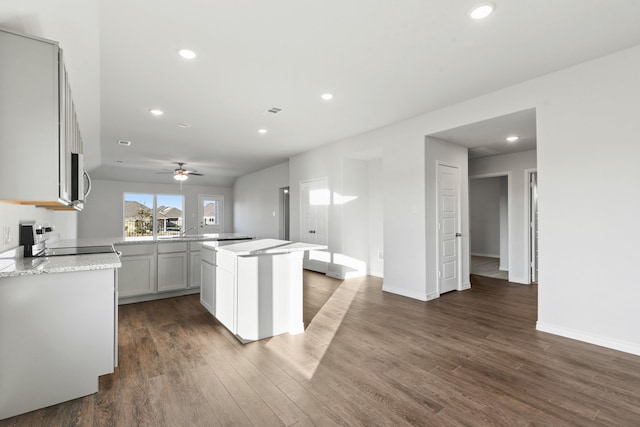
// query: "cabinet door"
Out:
[194,269]
[208,287]
[172,271]
[225,298]
[136,276]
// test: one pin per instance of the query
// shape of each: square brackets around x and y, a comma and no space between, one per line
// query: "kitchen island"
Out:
[254,288]
[58,323]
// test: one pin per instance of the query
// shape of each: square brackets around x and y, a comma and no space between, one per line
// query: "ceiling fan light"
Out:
[180,177]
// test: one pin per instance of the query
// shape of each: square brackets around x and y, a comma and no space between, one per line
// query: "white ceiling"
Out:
[385,61]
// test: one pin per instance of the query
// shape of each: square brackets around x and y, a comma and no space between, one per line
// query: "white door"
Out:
[448,228]
[210,214]
[315,198]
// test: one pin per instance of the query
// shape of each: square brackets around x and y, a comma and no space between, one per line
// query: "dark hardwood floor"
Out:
[469,358]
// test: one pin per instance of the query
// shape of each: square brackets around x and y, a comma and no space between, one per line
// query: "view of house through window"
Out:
[153,214]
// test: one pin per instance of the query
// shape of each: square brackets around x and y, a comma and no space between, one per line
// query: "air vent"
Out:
[273,110]
[123,142]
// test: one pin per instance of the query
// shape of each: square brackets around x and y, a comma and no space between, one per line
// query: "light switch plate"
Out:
[6,235]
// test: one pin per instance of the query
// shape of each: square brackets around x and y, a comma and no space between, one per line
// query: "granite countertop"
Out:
[186,238]
[266,247]
[57,264]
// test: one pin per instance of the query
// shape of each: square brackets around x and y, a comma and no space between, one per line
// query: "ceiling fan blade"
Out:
[165,173]
[195,173]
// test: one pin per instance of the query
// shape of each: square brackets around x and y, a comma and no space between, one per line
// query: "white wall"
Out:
[103,214]
[587,138]
[515,165]
[484,216]
[256,198]
[65,222]
[376,242]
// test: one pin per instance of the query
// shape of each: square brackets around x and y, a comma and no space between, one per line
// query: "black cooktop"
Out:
[85,250]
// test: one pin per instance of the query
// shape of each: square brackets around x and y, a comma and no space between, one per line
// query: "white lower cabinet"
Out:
[194,264]
[56,337]
[172,272]
[208,280]
[137,276]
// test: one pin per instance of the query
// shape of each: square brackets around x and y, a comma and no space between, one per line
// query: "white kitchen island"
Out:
[254,288]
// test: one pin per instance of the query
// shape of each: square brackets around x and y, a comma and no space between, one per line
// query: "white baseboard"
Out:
[520,280]
[485,255]
[465,286]
[503,268]
[406,293]
[625,346]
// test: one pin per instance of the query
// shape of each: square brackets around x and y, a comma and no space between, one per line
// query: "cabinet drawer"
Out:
[167,248]
[226,261]
[208,255]
[132,250]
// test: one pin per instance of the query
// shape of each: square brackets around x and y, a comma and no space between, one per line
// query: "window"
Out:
[153,214]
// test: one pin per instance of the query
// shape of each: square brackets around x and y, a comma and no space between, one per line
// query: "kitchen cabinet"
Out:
[38,125]
[194,264]
[172,266]
[258,287]
[208,279]
[57,337]
[137,275]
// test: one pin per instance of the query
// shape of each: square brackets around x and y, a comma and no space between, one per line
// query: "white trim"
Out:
[620,345]
[409,294]
[519,280]
[465,286]
[459,221]
[527,229]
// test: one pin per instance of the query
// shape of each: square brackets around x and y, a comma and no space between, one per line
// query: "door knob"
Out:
[458,234]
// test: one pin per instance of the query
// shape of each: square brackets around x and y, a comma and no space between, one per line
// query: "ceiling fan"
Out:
[181,174]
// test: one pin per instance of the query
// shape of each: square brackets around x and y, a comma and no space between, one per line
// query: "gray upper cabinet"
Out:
[39,132]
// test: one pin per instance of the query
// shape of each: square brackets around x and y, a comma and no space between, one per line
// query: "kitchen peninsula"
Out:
[254,288]
[165,266]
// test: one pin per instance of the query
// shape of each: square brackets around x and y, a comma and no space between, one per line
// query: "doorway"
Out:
[532,181]
[315,198]
[284,214]
[489,225]
[211,214]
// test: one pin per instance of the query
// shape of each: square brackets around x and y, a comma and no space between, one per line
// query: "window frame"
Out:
[154,213]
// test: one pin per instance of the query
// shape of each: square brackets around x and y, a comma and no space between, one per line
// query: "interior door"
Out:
[315,198]
[210,214]
[449,236]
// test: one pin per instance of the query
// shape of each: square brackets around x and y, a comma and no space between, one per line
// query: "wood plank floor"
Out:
[469,358]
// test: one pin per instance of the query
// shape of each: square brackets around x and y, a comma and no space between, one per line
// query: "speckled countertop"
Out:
[143,240]
[12,263]
[12,267]
[267,246]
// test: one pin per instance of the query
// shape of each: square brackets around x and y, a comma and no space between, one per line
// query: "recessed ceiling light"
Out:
[184,125]
[512,138]
[327,96]
[262,131]
[481,10]
[156,112]
[187,54]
